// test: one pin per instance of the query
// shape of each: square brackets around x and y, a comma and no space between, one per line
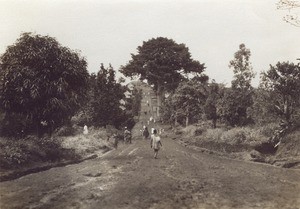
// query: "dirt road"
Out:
[129,177]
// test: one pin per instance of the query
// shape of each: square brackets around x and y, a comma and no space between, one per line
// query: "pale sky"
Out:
[109,31]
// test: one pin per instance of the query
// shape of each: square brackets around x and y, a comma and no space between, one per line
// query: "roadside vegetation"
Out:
[249,123]
[47,97]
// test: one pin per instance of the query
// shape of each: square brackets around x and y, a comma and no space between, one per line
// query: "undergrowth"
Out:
[25,152]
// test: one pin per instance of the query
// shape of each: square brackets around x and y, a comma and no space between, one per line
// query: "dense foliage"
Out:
[188,101]
[238,99]
[282,82]
[42,82]
[163,63]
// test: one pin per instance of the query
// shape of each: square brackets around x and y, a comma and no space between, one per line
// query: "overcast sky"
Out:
[109,31]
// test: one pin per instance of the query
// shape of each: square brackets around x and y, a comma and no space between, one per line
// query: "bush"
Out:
[213,134]
[15,153]
[189,130]
[268,129]
[235,136]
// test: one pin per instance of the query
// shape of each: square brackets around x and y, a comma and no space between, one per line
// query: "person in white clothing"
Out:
[85,130]
[155,143]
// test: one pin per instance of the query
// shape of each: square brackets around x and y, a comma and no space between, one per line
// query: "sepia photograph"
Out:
[150,104]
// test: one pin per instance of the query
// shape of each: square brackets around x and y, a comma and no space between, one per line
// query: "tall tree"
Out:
[242,69]
[163,63]
[238,99]
[282,81]
[42,80]
[107,94]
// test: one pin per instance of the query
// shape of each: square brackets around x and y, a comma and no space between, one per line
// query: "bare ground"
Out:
[129,177]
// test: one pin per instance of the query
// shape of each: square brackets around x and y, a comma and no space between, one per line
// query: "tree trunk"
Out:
[187,121]
[159,96]
[187,117]
[286,109]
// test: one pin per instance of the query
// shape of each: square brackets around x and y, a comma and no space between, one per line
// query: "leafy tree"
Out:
[187,102]
[86,113]
[214,94]
[168,113]
[106,98]
[132,106]
[133,102]
[262,110]
[282,81]
[242,69]
[42,80]
[233,107]
[238,99]
[163,63]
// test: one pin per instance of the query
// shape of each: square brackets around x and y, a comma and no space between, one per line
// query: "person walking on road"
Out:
[145,132]
[127,136]
[155,143]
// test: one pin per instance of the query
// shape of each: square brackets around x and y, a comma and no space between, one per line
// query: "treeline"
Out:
[45,86]
[186,96]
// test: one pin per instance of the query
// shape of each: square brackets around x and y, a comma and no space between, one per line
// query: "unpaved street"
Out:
[129,177]
[181,177]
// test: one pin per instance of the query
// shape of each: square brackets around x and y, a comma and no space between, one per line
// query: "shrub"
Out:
[234,136]
[189,130]
[213,134]
[268,129]
[15,153]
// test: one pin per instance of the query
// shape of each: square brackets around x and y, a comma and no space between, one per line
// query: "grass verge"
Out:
[19,157]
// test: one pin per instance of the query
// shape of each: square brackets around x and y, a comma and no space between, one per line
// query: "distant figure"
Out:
[151,119]
[127,135]
[145,132]
[155,143]
[147,102]
[116,140]
[85,130]
[148,122]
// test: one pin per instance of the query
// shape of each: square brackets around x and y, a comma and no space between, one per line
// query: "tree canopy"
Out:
[42,80]
[186,103]
[282,81]
[162,62]
[236,100]
[106,97]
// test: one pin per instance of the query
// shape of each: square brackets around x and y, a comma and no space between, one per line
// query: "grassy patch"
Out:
[31,151]
[23,152]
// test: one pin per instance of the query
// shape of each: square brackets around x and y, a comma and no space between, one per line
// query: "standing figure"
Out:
[85,130]
[155,143]
[145,132]
[116,140]
[151,119]
[127,135]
